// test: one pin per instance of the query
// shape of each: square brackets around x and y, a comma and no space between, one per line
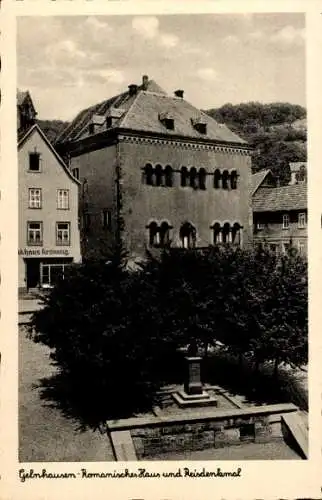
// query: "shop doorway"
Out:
[32,273]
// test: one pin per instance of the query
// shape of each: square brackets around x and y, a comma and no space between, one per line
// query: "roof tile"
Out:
[284,198]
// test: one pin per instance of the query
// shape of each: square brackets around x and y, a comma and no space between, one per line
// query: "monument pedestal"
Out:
[193,393]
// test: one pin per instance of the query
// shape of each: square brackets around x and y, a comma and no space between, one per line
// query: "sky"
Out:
[69,63]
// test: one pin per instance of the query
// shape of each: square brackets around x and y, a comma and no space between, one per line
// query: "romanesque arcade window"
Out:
[194,178]
[159,234]
[188,235]
[227,233]
[225,179]
[158,175]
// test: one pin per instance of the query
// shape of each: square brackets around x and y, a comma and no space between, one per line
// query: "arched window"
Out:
[225,178]
[226,233]
[193,177]
[168,176]
[184,176]
[217,233]
[188,235]
[164,234]
[202,178]
[149,174]
[154,236]
[217,178]
[233,179]
[158,175]
[236,233]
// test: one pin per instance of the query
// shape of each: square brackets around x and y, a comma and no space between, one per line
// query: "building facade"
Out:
[171,174]
[49,237]
[280,212]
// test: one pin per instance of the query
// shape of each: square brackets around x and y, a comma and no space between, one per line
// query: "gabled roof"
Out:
[284,198]
[36,128]
[258,178]
[144,116]
[141,112]
[21,96]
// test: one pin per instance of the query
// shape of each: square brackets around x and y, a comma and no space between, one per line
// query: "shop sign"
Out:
[43,252]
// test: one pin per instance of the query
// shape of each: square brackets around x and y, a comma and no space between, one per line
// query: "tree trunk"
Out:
[256,366]
[276,363]
[240,360]
[206,349]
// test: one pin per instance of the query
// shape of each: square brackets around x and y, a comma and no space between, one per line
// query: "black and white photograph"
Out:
[162,238]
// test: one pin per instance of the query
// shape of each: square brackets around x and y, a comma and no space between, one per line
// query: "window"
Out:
[225,179]
[164,234]
[286,221]
[34,233]
[226,233]
[106,219]
[51,273]
[169,123]
[34,162]
[202,178]
[233,179]
[236,234]
[286,247]
[62,233]
[193,177]
[75,173]
[217,178]
[149,174]
[184,176]
[217,233]
[168,176]
[34,198]
[188,235]
[63,199]
[158,175]
[154,235]
[302,220]
[302,247]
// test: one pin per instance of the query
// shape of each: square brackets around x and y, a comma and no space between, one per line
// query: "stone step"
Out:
[123,447]
[297,427]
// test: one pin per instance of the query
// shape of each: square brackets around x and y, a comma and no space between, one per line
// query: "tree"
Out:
[114,334]
[271,130]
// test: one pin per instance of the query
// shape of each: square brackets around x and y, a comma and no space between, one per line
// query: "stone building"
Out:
[48,206]
[168,171]
[280,212]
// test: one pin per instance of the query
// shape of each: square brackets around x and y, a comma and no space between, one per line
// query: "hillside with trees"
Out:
[52,128]
[277,132]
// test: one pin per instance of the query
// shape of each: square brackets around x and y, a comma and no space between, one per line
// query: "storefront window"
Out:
[51,273]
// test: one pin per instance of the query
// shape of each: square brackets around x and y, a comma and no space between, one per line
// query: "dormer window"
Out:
[167,120]
[200,125]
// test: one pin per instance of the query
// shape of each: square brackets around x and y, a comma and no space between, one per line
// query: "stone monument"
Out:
[193,393]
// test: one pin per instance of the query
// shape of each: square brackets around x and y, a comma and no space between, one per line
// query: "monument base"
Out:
[185,400]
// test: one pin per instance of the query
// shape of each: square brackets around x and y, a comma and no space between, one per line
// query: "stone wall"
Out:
[211,434]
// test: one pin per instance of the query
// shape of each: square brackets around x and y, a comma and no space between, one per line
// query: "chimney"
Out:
[179,93]
[145,81]
[133,88]
[294,168]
